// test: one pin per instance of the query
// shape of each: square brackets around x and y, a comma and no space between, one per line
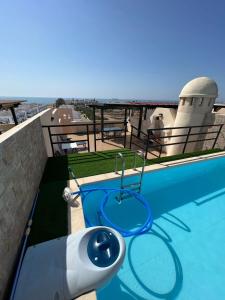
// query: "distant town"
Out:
[27,110]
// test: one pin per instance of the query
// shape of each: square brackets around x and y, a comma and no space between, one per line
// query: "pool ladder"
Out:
[135,185]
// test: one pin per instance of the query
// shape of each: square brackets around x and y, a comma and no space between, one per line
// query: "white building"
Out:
[197,99]
[195,108]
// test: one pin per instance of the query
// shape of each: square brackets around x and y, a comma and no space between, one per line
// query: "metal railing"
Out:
[156,141]
[115,130]
[136,186]
[104,133]
[139,138]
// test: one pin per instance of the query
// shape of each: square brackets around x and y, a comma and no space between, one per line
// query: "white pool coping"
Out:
[75,214]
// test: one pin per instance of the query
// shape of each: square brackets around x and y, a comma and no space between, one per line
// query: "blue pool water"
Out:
[183,255]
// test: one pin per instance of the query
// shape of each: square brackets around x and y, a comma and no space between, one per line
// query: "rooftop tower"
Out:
[196,102]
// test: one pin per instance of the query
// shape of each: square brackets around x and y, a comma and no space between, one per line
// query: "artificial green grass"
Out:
[94,163]
[50,218]
[181,156]
[86,164]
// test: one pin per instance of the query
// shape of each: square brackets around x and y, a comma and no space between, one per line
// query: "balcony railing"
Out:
[81,133]
[156,141]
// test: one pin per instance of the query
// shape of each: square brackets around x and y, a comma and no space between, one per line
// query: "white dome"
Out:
[200,87]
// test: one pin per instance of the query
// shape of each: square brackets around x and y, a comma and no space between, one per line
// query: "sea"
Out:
[47,100]
[35,100]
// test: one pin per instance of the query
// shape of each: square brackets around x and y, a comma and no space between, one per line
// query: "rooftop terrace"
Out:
[25,169]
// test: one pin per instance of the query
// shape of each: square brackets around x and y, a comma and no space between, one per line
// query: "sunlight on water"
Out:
[181,257]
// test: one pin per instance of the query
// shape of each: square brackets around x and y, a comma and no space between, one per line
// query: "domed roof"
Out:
[200,87]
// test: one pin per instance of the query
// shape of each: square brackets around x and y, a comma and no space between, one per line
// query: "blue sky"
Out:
[139,49]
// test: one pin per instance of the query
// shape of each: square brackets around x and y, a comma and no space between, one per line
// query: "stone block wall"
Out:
[216,118]
[22,160]
[220,119]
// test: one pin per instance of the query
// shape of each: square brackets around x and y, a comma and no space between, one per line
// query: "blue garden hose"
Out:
[108,191]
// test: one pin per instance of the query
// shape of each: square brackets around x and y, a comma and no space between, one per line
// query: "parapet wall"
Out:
[22,160]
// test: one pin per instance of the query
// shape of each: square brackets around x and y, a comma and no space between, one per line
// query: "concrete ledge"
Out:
[193,159]
[112,175]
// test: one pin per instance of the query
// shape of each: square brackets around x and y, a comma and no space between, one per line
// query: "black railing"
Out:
[114,130]
[142,138]
[117,132]
[155,137]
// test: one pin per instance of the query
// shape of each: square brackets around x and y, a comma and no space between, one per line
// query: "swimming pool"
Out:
[182,256]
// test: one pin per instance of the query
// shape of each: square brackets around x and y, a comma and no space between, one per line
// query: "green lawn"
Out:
[50,218]
[88,164]
[85,164]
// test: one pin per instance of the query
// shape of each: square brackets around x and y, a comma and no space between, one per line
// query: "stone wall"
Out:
[216,118]
[22,160]
[220,119]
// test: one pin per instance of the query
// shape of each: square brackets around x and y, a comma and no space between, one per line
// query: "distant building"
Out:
[23,112]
